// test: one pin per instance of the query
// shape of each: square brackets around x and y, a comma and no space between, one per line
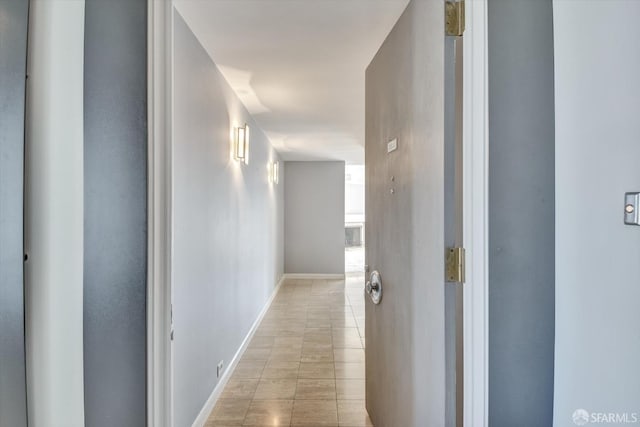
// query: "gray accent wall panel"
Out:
[14,17]
[314,217]
[115,213]
[521,213]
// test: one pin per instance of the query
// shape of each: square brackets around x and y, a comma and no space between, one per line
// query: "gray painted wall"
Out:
[314,212]
[521,213]
[405,334]
[597,257]
[228,226]
[115,213]
[14,17]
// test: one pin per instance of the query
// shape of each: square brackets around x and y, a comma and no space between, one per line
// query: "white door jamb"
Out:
[159,377]
[475,218]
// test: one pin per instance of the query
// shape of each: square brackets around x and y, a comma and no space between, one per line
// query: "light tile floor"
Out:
[305,364]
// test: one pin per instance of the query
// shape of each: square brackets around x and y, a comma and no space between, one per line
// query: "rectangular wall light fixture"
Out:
[241,144]
[275,172]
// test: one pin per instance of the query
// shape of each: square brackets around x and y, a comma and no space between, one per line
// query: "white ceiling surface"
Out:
[298,65]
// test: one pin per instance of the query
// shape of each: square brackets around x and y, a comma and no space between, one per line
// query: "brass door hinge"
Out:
[454,18]
[455,265]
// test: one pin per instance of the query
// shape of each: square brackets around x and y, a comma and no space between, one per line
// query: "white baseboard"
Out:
[201,419]
[298,276]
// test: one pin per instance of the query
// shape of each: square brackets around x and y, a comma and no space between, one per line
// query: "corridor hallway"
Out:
[305,364]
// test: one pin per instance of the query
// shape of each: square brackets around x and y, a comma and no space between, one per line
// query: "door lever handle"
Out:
[371,287]
[374,287]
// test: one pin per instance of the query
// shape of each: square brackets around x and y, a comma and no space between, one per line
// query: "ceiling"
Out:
[298,66]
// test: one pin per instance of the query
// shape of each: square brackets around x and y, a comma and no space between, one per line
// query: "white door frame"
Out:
[160,230]
[475,217]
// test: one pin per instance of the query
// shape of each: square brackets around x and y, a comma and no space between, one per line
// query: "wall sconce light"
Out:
[241,144]
[275,172]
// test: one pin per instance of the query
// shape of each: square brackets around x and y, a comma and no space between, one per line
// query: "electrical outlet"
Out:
[220,367]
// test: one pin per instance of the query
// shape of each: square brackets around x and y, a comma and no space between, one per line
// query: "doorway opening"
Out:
[306,293]
[354,220]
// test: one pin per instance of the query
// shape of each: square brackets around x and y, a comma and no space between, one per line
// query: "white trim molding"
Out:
[54,215]
[476,196]
[305,276]
[159,397]
[202,417]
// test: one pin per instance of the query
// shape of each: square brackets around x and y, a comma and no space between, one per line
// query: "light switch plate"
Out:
[632,208]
